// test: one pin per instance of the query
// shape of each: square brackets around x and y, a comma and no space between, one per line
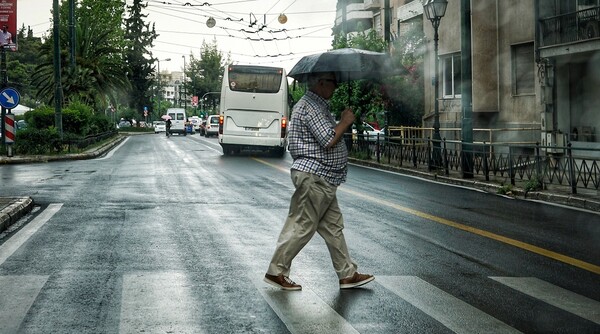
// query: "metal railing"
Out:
[83,143]
[571,168]
[571,27]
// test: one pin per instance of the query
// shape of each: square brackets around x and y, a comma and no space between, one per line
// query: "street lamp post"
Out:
[184,85]
[204,97]
[160,93]
[435,10]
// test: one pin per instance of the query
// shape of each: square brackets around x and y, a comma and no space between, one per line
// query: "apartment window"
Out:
[523,69]
[451,83]
[377,23]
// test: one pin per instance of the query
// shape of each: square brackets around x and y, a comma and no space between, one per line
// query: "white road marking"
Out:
[556,296]
[12,244]
[303,311]
[17,295]
[452,312]
[112,151]
[158,303]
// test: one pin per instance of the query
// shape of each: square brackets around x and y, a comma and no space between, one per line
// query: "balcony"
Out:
[409,11]
[570,28]
[356,17]
[373,5]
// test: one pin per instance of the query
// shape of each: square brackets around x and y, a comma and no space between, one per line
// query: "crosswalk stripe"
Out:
[12,244]
[17,294]
[452,312]
[157,302]
[556,296]
[303,311]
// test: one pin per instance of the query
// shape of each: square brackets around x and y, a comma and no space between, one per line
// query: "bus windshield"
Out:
[255,79]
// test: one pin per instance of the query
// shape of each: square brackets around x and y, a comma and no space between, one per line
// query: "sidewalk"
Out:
[13,208]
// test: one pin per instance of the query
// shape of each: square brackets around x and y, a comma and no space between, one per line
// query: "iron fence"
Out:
[82,143]
[529,165]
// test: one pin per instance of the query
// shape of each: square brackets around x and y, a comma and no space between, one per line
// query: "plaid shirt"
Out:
[311,130]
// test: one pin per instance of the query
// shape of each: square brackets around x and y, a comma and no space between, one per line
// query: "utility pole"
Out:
[72,37]
[57,68]
[467,90]
[4,79]
[387,21]
[184,85]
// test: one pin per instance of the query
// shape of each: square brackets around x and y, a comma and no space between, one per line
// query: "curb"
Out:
[18,207]
[76,156]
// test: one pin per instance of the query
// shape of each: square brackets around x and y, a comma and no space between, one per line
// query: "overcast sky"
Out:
[182,26]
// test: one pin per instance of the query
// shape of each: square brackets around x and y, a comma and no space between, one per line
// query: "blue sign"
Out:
[9,98]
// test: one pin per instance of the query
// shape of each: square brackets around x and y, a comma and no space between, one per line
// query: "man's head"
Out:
[323,84]
[4,27]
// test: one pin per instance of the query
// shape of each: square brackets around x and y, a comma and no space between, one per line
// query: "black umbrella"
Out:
[348,64]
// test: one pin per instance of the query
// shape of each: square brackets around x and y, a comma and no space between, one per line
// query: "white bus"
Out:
[254,109]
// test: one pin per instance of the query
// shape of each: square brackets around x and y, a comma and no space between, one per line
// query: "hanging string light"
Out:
[211,22]
[282,18]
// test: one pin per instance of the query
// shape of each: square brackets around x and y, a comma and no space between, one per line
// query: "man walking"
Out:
[319,167]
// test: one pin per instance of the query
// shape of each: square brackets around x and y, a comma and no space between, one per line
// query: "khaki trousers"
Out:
[313,208]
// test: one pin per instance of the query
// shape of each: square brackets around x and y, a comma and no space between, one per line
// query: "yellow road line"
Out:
[516,243]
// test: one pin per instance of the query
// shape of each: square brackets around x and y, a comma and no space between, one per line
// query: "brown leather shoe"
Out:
[355,280]
[282,282]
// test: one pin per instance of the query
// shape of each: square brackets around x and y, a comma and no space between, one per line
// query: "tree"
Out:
[140,37]
[99,74]
[206,73]
[407,103]
[401,96]
[22,63]
[363,96]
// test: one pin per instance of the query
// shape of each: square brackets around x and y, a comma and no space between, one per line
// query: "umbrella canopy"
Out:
[166,117]
[348,64]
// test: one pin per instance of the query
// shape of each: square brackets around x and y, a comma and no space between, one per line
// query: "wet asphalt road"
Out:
[167,235]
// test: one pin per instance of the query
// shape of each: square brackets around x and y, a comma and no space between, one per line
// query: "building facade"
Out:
[172,87]
[535,66]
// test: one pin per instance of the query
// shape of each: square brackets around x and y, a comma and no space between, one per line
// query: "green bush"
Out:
[36,141]
[78,121]
[100,124]
[40,118]
[534,184]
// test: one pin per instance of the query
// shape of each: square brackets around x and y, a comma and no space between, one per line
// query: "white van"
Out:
[178,120]
[254,109]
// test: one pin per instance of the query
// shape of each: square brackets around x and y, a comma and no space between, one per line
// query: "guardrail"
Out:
[575,168]
[82,143]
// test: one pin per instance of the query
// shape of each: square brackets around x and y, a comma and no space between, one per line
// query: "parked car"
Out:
[21,125]
[196,121]
[212,126]
[124,124]
[159,126]
[369,133]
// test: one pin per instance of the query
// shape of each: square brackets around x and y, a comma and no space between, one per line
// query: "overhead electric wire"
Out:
[182,10]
